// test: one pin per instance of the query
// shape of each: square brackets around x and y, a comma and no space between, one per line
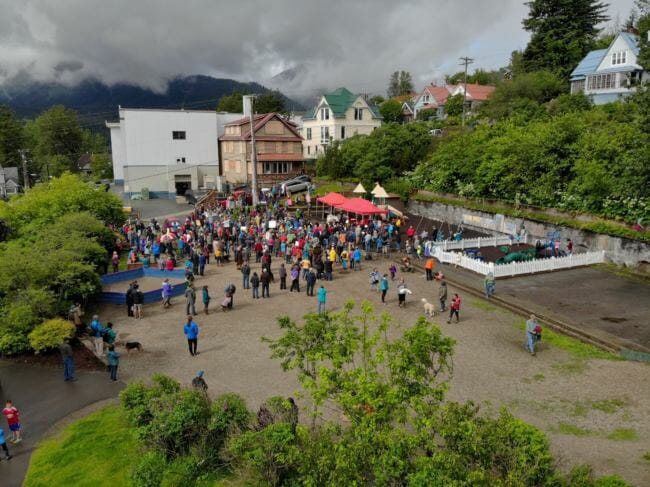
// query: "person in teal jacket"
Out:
[383,287]
[322,299]
[3,444]
[113,362]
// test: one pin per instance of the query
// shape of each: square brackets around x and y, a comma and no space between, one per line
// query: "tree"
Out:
[269,102]
[56,140]
[232,103]
[454,105]
[391,110]
[102,166]
[562,32]
[400,84]
[11,138]
[377,100]
[480,77]
[643,28]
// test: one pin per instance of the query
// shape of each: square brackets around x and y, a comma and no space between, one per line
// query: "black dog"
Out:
[133,346]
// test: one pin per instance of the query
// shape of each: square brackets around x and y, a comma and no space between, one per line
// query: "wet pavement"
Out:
[43,399]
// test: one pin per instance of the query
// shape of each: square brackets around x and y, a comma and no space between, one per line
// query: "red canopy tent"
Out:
[332,199]
[361,207]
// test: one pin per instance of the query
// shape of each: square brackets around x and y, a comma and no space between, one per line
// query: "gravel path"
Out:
[578,403]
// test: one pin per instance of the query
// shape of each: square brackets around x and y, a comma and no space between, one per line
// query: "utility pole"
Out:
[466,61]
[25,173]
[253,153]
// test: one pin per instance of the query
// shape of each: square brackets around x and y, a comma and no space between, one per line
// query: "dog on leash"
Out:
[429,309]
[133,346]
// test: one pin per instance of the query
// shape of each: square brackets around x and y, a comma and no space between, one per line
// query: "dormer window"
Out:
[426,98]
[358,113]
[619,57]
[324,113]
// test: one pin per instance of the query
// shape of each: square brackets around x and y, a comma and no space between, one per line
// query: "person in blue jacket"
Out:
[97,331]
[3,444]
[191,330]
[113,362]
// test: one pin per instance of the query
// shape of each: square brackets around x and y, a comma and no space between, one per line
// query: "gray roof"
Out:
[10,172]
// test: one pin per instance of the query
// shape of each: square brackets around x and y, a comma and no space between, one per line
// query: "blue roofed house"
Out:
[607,75]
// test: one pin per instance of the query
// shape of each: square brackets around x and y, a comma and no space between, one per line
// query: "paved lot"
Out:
[153,207]
[43,398]
[555,391]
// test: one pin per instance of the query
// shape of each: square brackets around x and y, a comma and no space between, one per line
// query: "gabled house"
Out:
[337,116]
[607,75]
[278,146]
[434,98]
[476,94]
[9,182]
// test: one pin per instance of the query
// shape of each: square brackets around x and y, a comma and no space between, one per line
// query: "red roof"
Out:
[361,207]
[279,157]
[478,92]
[332,199]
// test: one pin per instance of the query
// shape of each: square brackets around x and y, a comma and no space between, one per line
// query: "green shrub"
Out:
[18,320]
[50,334]
[136,400]
[149,472]
[229,411]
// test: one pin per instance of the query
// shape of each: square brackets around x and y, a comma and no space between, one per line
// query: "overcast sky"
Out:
[342,42]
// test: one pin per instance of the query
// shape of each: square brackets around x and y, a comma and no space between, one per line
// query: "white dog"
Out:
[429,309]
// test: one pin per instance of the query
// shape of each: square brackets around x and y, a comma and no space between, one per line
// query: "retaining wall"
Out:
[621,251]
[153,296]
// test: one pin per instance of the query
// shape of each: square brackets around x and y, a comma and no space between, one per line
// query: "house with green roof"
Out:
[337,116]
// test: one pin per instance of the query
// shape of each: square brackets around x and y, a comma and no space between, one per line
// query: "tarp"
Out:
[332,199]
[359,189]
[361,207]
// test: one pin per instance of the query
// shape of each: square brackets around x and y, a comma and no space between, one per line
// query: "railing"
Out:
[518,268]
[479,242]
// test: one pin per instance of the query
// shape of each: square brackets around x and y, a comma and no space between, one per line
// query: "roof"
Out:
[10,172]
[339,101]
[439,93]
[478,92]
[259,121]
[12,182]
[631,40]
[589,64]
[361,207]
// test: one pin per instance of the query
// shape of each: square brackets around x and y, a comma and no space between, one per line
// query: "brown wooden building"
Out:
[278,144]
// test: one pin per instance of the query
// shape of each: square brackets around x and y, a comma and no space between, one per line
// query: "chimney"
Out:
[247,106]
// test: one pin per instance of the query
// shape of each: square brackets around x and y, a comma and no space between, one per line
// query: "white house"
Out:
[432,97]
[9,182]
[337,116]
[167,151]
[607,75]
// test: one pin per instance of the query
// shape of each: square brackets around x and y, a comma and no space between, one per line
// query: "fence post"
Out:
[444,244]
[479,243]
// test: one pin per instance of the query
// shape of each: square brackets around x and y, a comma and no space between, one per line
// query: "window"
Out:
[308,134]
[324,113]
[619,57]
[308,149]
[324,135]
[578,86]
[425,98]
[180,160]
[358,113]
[601,81]
[277,167]
[178,134]
[343,132]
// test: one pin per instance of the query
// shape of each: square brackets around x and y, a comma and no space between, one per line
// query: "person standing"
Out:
[383,287]
[13,420]
[295,279]
[442,295]
[255,283]
[533,331]
[68,360]
[190,300]
[129,300]
[356,258]
[374,279]
[113,362]
[283,276]
[206,299]
[191,330]
[3,444]
[115,260]
[402,291]
[454,309]
[428,267]
[109,334]
[489,285]
[138,301]
[265,280]
[311,282]
[393,270]
[198,383]
[98,335]
[322,299]
[75,315]
[201,262]
[245,275]
[167,293]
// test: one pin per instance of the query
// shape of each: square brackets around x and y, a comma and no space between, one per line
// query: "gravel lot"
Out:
[578,403]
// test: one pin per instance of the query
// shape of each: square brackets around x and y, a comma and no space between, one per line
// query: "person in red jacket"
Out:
[454,308]
[13,420]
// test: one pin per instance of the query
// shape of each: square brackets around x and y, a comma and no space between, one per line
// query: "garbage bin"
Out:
[144,192]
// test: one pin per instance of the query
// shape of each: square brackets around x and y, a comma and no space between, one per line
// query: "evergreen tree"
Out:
[11,138]
[563,31]
[400,83]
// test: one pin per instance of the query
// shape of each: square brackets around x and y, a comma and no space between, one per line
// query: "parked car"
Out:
[435,132]
[296,184]
[194,195]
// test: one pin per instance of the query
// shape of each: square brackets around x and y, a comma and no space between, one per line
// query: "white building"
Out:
[337,116]
[607,75]
[167,151]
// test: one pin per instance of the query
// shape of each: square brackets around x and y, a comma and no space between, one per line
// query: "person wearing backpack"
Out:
[311,281]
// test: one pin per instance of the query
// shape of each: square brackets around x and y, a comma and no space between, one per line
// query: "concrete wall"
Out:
[621,251]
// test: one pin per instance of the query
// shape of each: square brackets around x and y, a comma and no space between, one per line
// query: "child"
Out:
[113,362]
[3,444]
[226,302]
[393,270]
[206,299]
[13,420]
[455,308]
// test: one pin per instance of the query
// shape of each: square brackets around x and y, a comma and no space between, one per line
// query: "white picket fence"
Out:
[517,268]
[469,243]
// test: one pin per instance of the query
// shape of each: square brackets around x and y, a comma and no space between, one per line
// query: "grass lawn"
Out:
[97,450]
